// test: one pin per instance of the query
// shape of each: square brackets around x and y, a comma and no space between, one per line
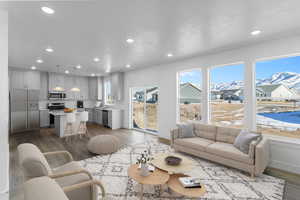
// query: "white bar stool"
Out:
[71,119]
[82,129]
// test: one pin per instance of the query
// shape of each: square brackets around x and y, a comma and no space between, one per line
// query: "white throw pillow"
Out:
[243,140]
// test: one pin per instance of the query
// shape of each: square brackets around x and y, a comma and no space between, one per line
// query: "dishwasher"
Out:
[105,118]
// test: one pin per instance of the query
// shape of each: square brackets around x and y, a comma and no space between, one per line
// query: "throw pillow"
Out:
[243,140]
[186,130]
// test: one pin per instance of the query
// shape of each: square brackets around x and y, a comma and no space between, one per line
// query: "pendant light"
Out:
[57,87]
[75,88]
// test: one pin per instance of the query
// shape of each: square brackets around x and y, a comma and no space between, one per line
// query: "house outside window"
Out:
[189,95]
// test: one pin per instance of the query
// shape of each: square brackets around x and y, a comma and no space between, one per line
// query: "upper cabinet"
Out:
[24,79]
[44,86]
[56,80]
[117,85]
[95,88]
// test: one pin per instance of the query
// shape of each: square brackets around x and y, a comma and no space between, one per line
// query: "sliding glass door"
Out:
[144,104]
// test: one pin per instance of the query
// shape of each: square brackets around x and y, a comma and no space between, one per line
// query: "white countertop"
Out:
[61,113]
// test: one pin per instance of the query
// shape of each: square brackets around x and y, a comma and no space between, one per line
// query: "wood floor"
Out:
[47,141]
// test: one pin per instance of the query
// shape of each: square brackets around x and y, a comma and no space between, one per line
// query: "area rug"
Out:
[222,183]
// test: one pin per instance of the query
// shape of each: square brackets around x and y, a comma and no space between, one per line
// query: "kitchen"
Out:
[39,99]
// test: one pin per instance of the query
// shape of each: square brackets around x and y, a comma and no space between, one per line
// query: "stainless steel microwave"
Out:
[56,95]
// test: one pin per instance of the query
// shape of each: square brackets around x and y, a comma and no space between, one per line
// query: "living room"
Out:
[218,77]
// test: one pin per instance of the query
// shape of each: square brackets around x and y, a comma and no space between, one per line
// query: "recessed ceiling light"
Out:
[93,74]
[67,72]
[128,66]
[47,10]
[107,71]
[129,40]
[33,67]
[39,61]
[256,32]
[49,49]
[78,67]
[170,55]
[96,59]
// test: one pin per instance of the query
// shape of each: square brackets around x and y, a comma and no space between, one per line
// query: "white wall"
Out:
[4,104]
[164,76]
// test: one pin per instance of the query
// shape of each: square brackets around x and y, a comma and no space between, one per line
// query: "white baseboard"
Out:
[288,167]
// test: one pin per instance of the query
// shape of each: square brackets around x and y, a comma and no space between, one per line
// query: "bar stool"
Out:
[82,129]
[71,119]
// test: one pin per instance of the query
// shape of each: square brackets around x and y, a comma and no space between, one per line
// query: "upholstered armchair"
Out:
[47,189]
[34,164]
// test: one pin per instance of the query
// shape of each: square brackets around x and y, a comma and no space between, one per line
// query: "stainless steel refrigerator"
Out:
[24,110]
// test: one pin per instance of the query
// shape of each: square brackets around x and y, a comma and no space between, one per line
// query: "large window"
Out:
[189,95]
[227,95]
[278,99]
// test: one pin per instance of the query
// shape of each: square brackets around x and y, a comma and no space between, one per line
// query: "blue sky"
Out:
[229,73]
[264,69]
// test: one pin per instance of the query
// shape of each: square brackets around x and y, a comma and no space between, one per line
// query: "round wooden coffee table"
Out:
[158,177]
[186,164]
[176,186]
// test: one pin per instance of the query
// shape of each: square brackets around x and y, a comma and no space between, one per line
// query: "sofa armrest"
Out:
[174,135]
[252,149]
[262,155]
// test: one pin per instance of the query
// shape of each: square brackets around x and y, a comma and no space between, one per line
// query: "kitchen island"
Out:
[60,121]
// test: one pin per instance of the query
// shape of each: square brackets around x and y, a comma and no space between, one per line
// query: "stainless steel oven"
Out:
[53,107]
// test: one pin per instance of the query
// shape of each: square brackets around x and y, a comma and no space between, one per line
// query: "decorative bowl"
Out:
[173,160]
[68,110]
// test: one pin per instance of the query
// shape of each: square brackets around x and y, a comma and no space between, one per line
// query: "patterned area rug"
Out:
[221,183]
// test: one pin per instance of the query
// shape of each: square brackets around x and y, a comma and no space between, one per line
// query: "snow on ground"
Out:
[268,122]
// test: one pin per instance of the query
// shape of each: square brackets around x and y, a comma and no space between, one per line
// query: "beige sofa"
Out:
[216,144]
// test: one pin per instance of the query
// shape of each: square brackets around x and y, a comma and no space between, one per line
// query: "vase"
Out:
[144,169]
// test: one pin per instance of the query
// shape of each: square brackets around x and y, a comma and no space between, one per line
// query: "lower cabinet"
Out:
[97,116]
[44,118]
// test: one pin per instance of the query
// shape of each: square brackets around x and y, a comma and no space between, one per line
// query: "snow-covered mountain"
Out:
[289,79]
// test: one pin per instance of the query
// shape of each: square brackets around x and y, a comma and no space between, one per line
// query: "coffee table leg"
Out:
[142,191]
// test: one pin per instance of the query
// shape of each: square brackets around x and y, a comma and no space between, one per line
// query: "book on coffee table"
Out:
[190,182]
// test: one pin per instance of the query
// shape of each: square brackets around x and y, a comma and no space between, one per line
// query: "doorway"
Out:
[144,108]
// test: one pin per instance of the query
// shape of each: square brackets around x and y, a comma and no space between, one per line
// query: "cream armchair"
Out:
[34,164]
[47,189]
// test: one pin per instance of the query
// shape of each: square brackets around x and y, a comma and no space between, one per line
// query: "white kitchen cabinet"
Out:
[98,119]
[91,114]
[44,118]
[95,88]
[16,79]
[115,118]
[117,85]
[43,86]
[20,79]
[55,80]
[32,80]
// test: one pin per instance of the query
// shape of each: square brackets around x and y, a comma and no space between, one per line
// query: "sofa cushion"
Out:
[43,188]
[205,131]
[227,135]
[195,143]
[227,150]
[82,193]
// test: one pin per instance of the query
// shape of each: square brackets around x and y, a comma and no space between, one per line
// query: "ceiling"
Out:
[80,31]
